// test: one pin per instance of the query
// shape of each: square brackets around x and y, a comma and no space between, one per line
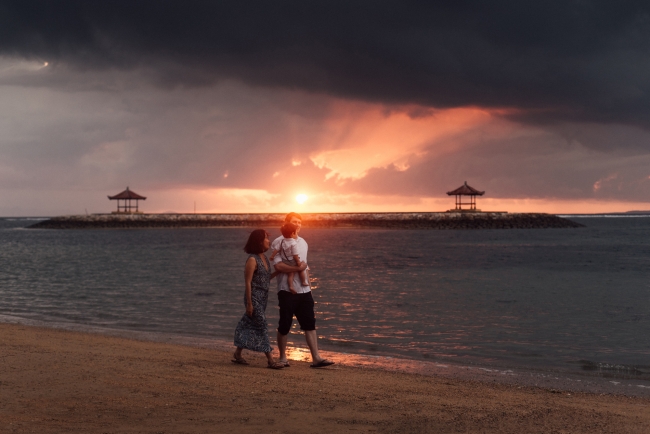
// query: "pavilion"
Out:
[465,190]
[127,196]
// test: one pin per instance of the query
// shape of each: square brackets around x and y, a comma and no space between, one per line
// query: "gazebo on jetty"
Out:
[465,190]
[127,196]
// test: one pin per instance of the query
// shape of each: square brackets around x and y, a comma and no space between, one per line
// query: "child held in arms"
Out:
[288,252]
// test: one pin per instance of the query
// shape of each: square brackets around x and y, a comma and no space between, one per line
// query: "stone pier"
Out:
[423,220]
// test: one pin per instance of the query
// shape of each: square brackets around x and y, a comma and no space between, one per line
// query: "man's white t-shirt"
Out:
[282,277]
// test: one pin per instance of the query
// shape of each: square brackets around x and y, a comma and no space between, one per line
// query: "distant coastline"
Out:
[407,220]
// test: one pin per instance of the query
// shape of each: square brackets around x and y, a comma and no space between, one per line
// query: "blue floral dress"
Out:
[252,333]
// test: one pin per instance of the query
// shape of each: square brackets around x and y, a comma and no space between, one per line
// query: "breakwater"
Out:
[425,220]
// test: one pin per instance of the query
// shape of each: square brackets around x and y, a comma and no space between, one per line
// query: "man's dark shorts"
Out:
[300,305]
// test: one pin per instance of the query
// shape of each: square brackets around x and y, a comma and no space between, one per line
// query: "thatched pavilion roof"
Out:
[465,190]
[127,194]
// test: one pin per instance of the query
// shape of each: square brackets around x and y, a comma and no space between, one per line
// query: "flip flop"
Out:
[284,364]
[240,361]
[323,363]
[276,365]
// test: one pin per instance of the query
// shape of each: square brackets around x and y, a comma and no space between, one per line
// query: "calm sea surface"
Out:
[572,300]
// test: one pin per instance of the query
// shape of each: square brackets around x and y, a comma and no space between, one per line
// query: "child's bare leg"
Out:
[290,282]
[304,278]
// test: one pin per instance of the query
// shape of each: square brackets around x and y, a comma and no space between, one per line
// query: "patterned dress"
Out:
[252,333]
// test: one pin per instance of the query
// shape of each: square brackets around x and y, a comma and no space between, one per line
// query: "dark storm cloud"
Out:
[568,60]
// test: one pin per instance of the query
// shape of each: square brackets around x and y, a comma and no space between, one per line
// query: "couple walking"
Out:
[294,297]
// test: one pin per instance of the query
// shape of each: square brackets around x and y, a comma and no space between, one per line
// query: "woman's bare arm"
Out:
[251,265]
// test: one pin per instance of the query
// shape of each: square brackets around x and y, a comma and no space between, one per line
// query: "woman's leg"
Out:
[272,363]
[237,358]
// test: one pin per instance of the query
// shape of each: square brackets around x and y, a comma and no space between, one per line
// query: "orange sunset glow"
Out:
[235,137]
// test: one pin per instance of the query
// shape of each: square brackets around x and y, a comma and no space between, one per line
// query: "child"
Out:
[288,251]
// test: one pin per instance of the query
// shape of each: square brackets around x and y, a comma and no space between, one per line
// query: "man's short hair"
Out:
[292,215]
[288,229]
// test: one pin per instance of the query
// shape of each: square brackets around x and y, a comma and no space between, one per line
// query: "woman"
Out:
[251,332]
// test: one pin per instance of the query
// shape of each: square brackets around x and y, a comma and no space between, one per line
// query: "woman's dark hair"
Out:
[255,243]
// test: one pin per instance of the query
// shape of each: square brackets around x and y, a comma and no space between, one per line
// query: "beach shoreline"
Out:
[56,380]
[547,378]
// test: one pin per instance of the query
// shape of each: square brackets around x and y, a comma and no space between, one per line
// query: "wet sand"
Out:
[54,381]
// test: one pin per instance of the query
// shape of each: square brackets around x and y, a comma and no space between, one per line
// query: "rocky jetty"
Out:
[426,220]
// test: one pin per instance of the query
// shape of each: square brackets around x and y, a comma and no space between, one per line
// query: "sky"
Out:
[377,106]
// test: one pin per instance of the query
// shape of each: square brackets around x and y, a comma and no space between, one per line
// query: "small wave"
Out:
[616,370]
[589,216]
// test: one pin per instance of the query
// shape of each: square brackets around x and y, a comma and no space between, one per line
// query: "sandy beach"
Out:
[54,381]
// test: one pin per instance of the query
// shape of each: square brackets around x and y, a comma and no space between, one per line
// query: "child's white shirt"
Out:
[289,247]
[282,277]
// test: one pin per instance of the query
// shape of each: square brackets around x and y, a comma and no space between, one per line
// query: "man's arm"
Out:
[284,268]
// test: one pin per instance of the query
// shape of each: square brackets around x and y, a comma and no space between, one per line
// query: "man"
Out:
[301,304]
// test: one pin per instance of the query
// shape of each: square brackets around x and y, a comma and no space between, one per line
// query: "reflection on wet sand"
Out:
[545,379]
[550,380]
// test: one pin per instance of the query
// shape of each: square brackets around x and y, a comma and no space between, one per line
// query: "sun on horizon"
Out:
[301,198]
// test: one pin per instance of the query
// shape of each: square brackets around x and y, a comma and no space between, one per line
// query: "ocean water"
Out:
[549,300]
